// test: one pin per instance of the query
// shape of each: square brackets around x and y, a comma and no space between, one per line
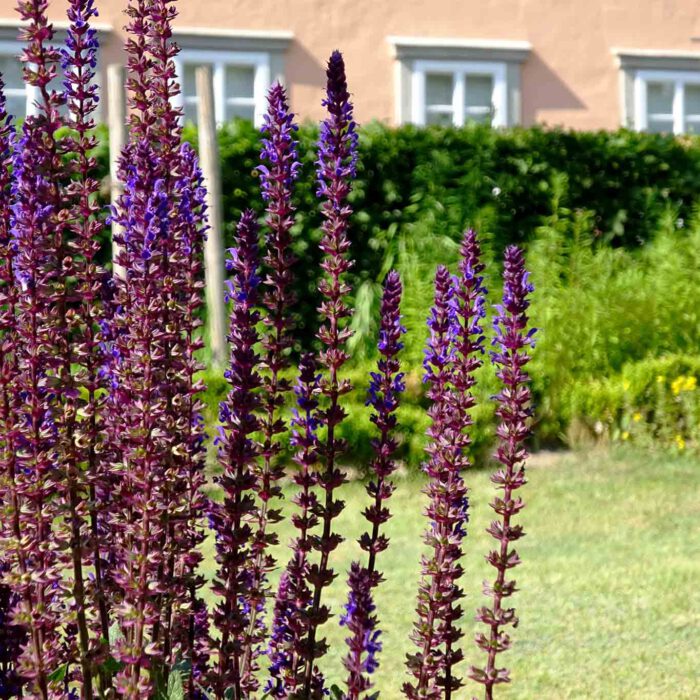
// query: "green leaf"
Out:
[59,674]
[176,690]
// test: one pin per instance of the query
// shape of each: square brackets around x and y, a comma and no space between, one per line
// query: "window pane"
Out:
[438,89]
[240,81]
[443,118]
[189,81]
[11,70]
[692,99]
[240,111]
[692,109]
[660,126]
[660,100]
[15,90]
[191,110]
[478,98]
[189,90]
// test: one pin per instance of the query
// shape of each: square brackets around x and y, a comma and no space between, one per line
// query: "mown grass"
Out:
[609,601]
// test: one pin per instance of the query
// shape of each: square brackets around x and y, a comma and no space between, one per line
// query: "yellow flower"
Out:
[683,383]
[660,379]
[680,442]
[637,417]
[625,384]
[625,435]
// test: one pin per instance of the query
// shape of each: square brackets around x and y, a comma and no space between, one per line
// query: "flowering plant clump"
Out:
[103,481]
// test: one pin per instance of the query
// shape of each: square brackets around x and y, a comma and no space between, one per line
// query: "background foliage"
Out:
[609,223]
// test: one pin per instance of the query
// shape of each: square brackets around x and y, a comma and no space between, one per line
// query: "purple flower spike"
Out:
[514,411]
[452,356]
[279,169]
[36,238]
[385,389]
[337,157]
[12,636]
[238,454]
[363,642]
[82,439]
[287,650]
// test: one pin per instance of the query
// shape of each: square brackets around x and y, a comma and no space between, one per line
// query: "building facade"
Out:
[585,64]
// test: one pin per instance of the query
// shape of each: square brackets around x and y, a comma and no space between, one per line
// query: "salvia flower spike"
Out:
[452,356]
[238,454]
[386,386]
[278,170]
[287,648]
[12,636]
[37,236]
[469,312]
[336,168]
[514,411]
[81,356]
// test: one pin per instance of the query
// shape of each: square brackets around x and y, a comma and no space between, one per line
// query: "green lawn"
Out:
[610,585]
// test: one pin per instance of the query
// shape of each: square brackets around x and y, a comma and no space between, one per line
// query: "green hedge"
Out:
[447,178]
[411,179]
[612,238]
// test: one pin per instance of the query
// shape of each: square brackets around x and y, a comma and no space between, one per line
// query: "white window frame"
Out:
[14,49]
[32,93]
[679,79]
[459,70]
[220,60]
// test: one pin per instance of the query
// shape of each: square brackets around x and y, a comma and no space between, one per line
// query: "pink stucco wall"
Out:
[570,78]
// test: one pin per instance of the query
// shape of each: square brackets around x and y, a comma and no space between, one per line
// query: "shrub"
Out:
[652,402]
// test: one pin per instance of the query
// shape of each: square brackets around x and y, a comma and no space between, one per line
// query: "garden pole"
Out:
[116,79]
[213,246]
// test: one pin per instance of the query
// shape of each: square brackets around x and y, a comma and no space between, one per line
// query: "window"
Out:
[458,81]
[16,91]
[457,93]
[660,90]
[241,81]
[244,65]
[21,98]
[667,102]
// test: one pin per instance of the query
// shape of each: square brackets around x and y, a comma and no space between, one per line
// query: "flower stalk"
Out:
[278,170]
[385,388]
[232,520]
[514,411]
[336,168]
[452,357]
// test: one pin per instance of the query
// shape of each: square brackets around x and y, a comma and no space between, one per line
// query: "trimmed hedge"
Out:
[449,178]
[500,180]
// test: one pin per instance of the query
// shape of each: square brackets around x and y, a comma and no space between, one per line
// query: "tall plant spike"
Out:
[470,310]
[336,168]
[37,232]
[452,356]
[386,386]
[514,411]
[287,649]
[12,636]
[233,520]
[81,356]
[278,170]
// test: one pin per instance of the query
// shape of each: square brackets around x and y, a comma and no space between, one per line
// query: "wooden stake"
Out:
[213,248]
[116,95]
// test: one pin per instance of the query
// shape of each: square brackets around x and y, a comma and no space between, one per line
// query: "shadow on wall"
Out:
[304,68]
[543,89]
